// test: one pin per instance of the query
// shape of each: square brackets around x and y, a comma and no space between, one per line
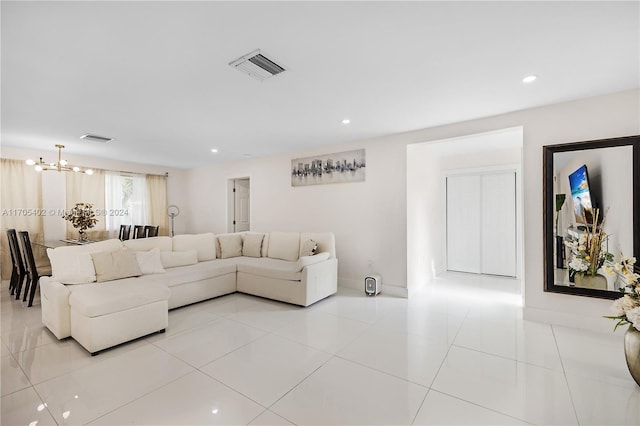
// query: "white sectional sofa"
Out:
[110,292]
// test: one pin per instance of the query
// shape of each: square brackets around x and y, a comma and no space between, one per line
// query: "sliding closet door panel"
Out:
[463,223]
[499,224]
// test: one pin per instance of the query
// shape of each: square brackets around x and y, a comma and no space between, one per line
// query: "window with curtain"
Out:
[126,200]
[17,206]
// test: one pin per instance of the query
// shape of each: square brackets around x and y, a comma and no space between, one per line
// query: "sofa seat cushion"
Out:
[94,300]
[192,273]
[271,268]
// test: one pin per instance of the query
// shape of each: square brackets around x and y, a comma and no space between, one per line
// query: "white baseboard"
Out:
[390,290]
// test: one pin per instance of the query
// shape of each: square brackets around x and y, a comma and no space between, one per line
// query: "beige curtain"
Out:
[82,188]
[20,207]
[157,196]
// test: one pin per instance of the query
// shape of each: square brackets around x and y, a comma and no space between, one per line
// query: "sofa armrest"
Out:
[56,312]
[320,279]
[311,260]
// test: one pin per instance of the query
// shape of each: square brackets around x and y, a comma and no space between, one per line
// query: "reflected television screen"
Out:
[581,195]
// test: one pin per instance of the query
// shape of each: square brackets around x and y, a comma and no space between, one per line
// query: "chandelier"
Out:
[61,165]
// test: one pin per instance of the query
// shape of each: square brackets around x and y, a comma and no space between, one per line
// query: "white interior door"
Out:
[463,223]
[499,224]
[242,189]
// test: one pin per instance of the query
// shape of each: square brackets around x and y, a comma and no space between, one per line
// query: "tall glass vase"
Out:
[632,352]
[82,236]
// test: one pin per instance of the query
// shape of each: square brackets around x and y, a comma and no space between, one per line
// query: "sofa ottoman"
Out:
[107,314]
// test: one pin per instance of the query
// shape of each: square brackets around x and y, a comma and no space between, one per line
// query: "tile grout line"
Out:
[482,406]
[444,359]
[564,373]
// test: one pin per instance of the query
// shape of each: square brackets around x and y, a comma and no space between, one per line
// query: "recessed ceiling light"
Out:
[214,150]
[529,79]
[346,121]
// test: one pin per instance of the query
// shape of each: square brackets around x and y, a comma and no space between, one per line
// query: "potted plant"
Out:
[82,217]
[588,255]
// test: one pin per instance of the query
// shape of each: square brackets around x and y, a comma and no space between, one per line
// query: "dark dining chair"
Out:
[125,232]
[151,231]
[18,272]
[30,265]
[139,232]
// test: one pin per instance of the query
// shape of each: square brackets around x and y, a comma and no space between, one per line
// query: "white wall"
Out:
[426,222]
[482,159]
[608,169]
[370,218]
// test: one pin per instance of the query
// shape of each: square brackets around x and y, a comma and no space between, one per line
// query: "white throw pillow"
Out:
[205,244]
[252,245]
[149,261]
[115,265]
[310,260]
[73,264]
[171,259]
[230,245]
[309,248]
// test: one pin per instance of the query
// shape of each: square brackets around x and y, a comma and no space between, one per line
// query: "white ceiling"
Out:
[155,75]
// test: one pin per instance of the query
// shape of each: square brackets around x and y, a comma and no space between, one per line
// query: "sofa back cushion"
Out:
[284,245]
[146,244]
[73,264]
[326,242]
[204,244]
[171,259]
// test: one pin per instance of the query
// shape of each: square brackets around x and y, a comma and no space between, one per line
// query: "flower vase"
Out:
[82,236]
[632,352]
[596,281]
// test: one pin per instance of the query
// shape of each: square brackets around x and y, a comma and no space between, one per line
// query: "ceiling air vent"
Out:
[96,138]
[257,65]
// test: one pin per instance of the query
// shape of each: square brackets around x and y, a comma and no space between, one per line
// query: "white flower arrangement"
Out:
[587,254]
[627,308]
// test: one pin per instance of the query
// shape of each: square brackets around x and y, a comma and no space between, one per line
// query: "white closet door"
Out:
[499,224]
[463,223]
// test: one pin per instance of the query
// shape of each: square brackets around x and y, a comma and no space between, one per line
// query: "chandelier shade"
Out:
[60,166]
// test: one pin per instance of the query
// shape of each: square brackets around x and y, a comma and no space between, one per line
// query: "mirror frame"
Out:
[549,208]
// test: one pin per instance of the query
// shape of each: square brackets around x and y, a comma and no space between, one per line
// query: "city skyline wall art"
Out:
[339,167]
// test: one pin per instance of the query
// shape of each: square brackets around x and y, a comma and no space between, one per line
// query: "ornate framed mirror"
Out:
[580,179]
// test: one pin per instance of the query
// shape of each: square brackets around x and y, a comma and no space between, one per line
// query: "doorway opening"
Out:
[495,157]
[239,204]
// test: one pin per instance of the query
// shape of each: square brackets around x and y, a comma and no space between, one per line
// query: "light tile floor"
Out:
[459,353]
